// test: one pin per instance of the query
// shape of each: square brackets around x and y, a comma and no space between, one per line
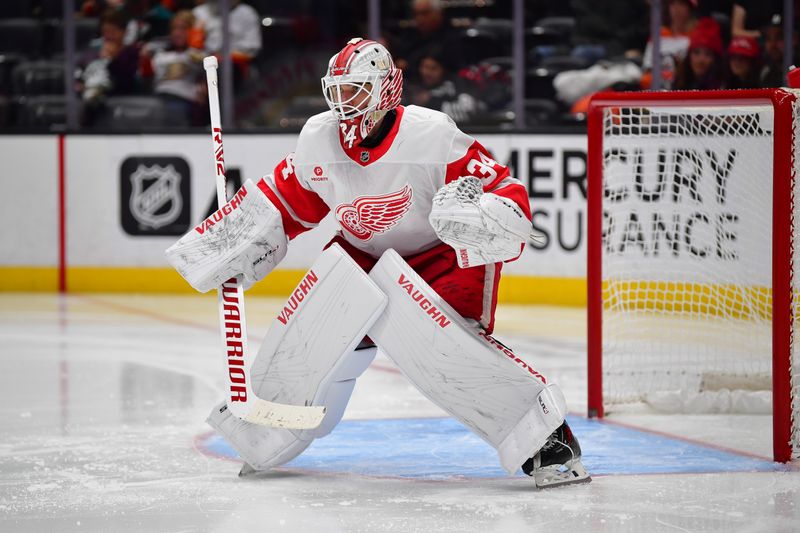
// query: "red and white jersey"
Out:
[382,196]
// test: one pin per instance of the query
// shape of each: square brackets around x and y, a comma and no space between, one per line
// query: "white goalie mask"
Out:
[362,84]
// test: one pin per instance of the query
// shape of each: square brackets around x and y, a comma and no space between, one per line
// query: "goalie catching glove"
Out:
[482,227]
[245,236]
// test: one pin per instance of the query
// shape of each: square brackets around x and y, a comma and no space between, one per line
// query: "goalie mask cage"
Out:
[691,254]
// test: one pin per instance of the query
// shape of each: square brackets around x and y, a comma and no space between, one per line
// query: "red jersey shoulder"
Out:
[474,160]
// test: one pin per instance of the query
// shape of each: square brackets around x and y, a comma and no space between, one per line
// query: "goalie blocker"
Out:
[245,236]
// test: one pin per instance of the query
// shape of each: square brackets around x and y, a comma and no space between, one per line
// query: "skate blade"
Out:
[247,470]
[570,474]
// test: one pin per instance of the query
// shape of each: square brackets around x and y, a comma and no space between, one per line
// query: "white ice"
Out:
[103,397]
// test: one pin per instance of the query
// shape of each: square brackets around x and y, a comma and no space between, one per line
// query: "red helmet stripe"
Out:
[346,56]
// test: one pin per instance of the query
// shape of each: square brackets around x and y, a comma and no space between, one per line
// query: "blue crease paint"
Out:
[441,448]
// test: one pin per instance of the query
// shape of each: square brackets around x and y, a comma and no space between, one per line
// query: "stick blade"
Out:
[279,415]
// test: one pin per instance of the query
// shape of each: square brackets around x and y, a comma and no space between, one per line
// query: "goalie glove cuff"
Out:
[482,227]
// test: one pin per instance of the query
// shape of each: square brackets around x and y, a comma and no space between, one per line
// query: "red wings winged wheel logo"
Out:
[368,215]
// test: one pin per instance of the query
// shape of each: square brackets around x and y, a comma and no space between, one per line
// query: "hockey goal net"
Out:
[691,255]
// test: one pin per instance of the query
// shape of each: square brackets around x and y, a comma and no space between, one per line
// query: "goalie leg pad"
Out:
[309,356]
[461,369]
[326,317]
[261,447]
[265,447]
[245,236]
[336,398]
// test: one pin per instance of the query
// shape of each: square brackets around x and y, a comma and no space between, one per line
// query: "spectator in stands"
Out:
[772,72]
[177,72]
[749,17]
[702,69]
[161,10]
[742,24]
[438,89]
[681,18]
[111,70]
[431,30]
[743,63]
[679,23]
[138,30]
[245,33]
[491,84]
[95,8]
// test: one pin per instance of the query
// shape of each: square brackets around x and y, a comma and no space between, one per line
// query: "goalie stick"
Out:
[241,400]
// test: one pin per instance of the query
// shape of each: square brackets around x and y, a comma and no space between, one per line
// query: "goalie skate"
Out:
[558,462]
[247,470]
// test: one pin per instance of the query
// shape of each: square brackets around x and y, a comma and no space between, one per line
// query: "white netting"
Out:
[687,258]
[687,255]
[795,362]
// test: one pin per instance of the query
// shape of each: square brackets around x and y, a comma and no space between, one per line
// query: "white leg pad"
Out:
[355,363]
[264,447]
[338,394]
[480,382]
[309,357]
[530,433]
[326,317]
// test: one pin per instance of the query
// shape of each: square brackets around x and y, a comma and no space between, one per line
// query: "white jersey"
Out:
[381,197]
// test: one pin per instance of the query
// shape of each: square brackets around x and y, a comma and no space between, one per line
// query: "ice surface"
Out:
[103,398]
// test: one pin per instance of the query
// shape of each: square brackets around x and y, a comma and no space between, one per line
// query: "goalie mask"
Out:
[362,84]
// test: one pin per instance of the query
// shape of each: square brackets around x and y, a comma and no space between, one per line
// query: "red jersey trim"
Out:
[291,227]
[343,59]
[307,205]
[498,267]
[517,194]
[373,154]
[477,162]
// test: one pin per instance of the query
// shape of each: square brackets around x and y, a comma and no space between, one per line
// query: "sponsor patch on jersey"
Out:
[318,174]
[368,215]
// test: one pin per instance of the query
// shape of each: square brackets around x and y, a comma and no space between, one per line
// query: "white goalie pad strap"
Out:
[482,227]
[245,236]
[471,376]
[324,319]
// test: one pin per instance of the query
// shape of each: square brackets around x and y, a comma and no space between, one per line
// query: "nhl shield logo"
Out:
[364,156]
[155,195]
[155,192]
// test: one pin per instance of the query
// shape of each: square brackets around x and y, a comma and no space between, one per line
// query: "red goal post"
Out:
[679,291]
